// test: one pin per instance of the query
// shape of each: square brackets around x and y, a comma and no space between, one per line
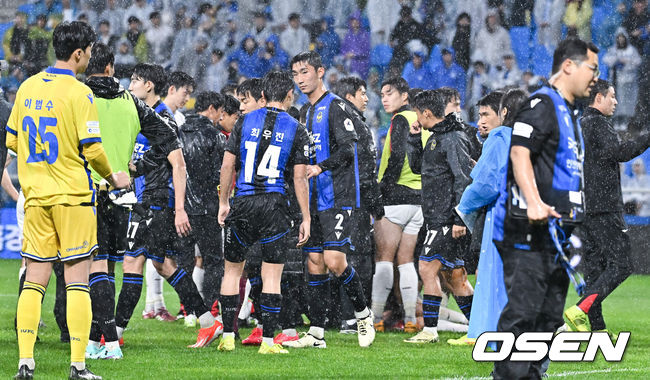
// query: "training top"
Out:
[53,116]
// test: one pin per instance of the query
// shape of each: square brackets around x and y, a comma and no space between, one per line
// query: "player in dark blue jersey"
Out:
[264,145]
[334,197]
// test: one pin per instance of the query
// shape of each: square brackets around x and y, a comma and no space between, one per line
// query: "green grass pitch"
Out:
[157,350]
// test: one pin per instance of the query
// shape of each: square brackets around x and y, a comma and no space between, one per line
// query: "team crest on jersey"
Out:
[433,144]
[319,117]
[348,125]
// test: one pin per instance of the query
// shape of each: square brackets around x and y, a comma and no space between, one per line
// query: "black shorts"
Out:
[331,230]
[262,218]
[151,233]
[112,225]
[440,245]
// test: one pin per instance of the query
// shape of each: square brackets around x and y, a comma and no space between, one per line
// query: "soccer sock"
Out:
[587,301]
[103,305]
[228,311]
[197,277]
[27,317]
[382,284]
[79,315]
[254,294]
[352,285]
[430,309]
[187,292]
[270,306]
[318,292]
[465,304]
[111,279]
[150,278]
[290,332]
[129,297]
[408,284]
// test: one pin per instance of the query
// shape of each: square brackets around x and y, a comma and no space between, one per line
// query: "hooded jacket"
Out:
[445,166]
[250,65]
[203,148]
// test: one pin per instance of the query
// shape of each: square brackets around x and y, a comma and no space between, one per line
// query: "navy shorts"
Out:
[151,233]
[440,245]
[332,230]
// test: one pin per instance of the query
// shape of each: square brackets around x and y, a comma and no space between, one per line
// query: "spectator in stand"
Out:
[477,10]
[605,35]
[260,31]
[85,12]
[195,62]
[335,72]
[12,81]
[139,9]
[295,38]
[115,17]
[434,25]
[518,13]
[124,62]
[282,9]
[183,39]
[137,39]
[639,181]
[216,75]
[461,40]
[406,30]
[450,74]
[492,42]
[68,12]
[478,86]
[382,15]
[548,17]
[106,35]
[328,43]
[623,61]
[159,37]
[577,18]
[356,47]
[505,74]
[274,58]
[229,41]
[247,58]
[14,41]
[339,11]
[415,72]
[636,22]
[39,51]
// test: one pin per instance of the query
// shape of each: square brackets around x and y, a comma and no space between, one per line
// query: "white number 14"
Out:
[268,166]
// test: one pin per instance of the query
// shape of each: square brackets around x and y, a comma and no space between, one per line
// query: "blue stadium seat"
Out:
[542,61]
[520,42]
[597,19]
[3,29]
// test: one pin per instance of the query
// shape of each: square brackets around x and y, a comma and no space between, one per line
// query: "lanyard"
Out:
[559,239]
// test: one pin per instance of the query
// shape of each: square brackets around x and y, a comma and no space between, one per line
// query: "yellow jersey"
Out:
[53,116]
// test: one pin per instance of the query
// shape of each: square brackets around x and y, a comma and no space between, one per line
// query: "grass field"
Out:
[157,350]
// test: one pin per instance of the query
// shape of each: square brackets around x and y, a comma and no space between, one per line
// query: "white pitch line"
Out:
[607,370]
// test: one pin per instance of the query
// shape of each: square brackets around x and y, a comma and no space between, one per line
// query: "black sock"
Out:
[111,279]
[103,306]
[229,311]
[187,292]
[270,306]
[129,297]
[596,317]
[318,293]
[465,304]
[254,294]
[352,284]
[430,310]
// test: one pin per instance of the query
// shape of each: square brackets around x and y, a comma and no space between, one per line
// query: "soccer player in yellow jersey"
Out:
[54,130]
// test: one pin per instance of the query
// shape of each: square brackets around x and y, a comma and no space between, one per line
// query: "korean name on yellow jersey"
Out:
[53,116]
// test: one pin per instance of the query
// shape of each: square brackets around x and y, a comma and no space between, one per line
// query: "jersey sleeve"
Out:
[534,123]
[86,119]
[158,130]
[300,150]
[341,124]
[12,127]
[234,141]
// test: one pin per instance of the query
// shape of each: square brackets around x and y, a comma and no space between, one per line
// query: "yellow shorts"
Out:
[59,232]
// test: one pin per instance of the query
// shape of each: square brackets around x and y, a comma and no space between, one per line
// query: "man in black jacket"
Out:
[607,245]
[203,148]
[445,165]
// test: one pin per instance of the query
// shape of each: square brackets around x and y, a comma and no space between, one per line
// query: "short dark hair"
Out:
[571,48]
[349,85]
[230,105]
[431,100]
[398,83]
[512,100]
[155,74]
[70,36]
[230,87]
[448,94]
[105,22]
[276,84]
[154,14]
[294,16]
[492,100]
[205,99]
[414,92]
[600,87]
[102,55]
[180,79]
[312,58]
[252,86]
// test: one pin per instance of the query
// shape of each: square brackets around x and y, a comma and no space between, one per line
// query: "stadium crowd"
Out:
[387,87]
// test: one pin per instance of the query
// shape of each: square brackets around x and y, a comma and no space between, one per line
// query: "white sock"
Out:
[29,362]
[230,334]
[150,304]
[20,274]
[365,313]
[268,341]
[197,277]
[452,316]
[206,320]
[244,312]
[158,282]
[432,330]
[93,343]
[120,332]
[80,366]
[382,284]
[112,345]
[451,326]
[408,284]
[318,332]
[290,332]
